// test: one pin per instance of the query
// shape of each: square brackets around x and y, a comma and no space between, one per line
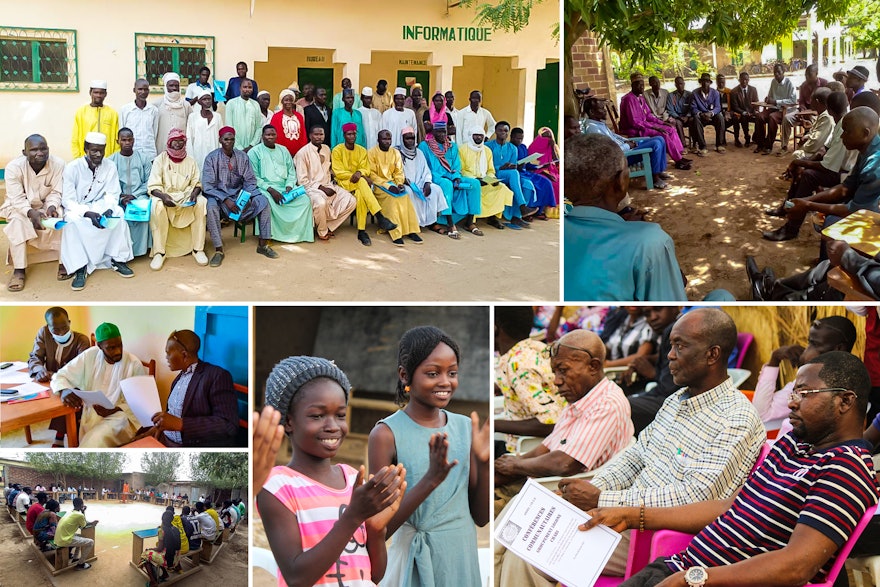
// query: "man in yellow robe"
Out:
[386,173]
[94,117]
[476,162]
[177,200]
[352,170]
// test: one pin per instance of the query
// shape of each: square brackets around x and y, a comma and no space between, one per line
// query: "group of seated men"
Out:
[157,177]
[689,469]
[201,409]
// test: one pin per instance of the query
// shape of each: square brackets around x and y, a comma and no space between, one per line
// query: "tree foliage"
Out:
[863,22]
[644,27]
[95,466]
[506,15]
[160,467]
[220,470]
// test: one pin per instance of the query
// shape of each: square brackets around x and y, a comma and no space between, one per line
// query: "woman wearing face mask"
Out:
[54,346]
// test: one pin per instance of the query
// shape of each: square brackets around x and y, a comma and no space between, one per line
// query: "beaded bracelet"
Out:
[642,518]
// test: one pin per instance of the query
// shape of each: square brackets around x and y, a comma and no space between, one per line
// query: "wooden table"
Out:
[20,415]
[860,230]
[146,442]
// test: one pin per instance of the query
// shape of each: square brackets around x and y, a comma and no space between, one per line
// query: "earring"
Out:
[406,389]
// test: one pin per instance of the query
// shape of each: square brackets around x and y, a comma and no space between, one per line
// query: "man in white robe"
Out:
[33,194]
[473,115]
[398,118]
[427,197]
[101,368]
[331,204]
[95,236]
[173,108]
[372,118]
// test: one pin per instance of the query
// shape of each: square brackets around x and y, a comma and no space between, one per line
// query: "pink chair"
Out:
[743,342]
[668,542]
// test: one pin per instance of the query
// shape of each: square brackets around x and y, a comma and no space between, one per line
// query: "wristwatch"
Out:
[696,576]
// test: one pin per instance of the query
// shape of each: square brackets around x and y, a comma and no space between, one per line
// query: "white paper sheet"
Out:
[142,396]
[94,398]
[542,528]
[30,387]
[14,373]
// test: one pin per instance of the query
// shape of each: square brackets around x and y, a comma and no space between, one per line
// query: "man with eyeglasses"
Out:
[832,333]
[202,409]
[700,446]
[592,428]
[795,511]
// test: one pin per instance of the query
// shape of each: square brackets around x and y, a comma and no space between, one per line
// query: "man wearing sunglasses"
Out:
[832,333]
[795,511]
[202,409]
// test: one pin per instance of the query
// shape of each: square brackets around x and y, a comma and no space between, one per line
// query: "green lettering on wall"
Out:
[446,34]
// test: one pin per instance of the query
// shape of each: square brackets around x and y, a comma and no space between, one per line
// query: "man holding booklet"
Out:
[101,369]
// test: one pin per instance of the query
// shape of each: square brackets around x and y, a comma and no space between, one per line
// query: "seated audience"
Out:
[706,109]
[742,108]
[636,119]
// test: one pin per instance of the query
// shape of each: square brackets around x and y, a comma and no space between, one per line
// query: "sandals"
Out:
[472,228]
[453,234]
[63,275]
[439,229]
[16,283]
[217,259]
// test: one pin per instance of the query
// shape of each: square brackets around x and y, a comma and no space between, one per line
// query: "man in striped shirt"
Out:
[592,428]
[795,511]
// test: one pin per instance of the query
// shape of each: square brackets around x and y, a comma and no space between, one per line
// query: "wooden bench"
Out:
[189,562]
[21,522]
[210,550]
[58,561]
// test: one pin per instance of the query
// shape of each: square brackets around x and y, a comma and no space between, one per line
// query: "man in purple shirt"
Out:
[706,108]
[637,120]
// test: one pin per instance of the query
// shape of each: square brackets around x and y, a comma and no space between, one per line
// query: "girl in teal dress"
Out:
[433,538]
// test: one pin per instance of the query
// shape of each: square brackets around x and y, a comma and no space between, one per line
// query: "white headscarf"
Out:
[172,99]
[482,161]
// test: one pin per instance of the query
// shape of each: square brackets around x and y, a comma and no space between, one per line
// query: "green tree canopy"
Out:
[160,467]
[863,23]
[507,15]
[220,470]
[101,466]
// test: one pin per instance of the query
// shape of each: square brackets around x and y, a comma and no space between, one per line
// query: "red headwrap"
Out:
[227,129]
[177,155]
[349,126]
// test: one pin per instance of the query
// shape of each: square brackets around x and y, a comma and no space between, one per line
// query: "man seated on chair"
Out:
[226,172]
[824,168]
[596,124]
[702,444]
[678,105]
[820,128]
[658,101]
[706,109]
[33,194]
[812,82]
[780,99]
[795,511]
[832,333]
[636,120]
[532,404]
[742,108]
[202,409]
[386,173]
[54,346]
[724,95]
[859,191]
[607,258]
[65,534]
[101,368]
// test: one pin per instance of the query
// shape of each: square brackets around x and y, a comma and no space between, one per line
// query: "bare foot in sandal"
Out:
[472,228]
[16,281]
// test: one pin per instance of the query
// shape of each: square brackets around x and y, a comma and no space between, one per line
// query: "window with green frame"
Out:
[37,59]
[159,54]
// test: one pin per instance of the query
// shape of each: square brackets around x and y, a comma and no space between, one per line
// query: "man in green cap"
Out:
[101,368]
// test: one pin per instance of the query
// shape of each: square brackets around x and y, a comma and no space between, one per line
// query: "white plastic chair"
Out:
[739,376]
[264,559]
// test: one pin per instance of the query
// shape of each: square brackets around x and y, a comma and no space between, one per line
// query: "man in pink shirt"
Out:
[636,119]
[833,333]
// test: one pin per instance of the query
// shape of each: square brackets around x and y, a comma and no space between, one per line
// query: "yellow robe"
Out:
[492,197]
[178,230]
[346,163]
[386,168]
[88,119]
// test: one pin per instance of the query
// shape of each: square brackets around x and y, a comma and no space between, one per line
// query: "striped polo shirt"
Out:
[317,507]
[594,428]
[827,490]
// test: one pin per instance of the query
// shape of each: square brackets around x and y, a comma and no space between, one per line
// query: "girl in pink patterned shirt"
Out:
[325,525]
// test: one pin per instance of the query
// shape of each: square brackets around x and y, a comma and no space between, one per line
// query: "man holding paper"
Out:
[100,369]
[202,408]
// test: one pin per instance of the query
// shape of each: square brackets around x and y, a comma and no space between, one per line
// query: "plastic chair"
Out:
[743,342]
[642,169]
[739,376]
[264,559]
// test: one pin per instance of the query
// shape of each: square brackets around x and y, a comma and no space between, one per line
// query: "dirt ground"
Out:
[20,567]
[714,213]
[515,265]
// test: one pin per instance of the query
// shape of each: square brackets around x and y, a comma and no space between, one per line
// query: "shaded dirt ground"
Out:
[502,265]
[20,567]
[714,213]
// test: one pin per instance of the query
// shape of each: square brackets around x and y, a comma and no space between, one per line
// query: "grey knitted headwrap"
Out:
[289,375]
